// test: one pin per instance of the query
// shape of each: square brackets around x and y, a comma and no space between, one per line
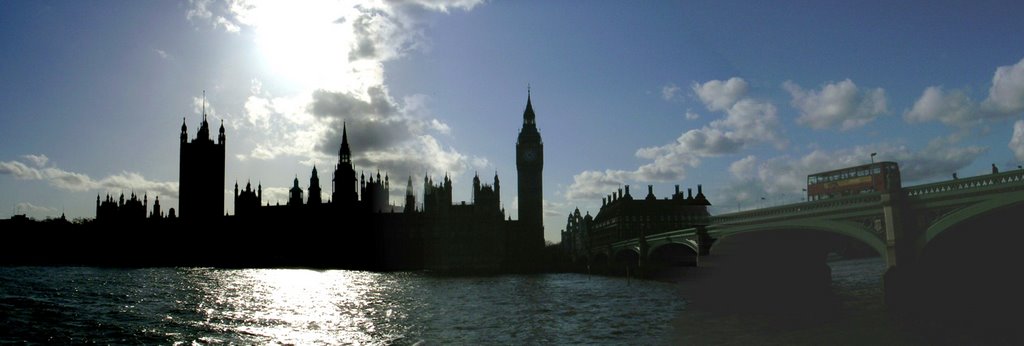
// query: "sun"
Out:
[305,43]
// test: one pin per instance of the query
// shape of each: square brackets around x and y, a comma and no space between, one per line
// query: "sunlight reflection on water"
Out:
[297,306]
[294,306]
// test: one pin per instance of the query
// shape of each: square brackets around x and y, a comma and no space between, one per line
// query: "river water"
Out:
[298,306]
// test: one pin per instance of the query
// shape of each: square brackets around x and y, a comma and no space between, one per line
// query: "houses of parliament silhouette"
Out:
[356,227]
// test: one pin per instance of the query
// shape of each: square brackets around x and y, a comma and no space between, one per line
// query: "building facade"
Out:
[201,173]
[623,217]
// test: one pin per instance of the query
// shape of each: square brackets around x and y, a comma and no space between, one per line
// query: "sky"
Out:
[744,98]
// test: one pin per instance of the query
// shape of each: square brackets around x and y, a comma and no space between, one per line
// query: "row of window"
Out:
[842,193]
[815,179]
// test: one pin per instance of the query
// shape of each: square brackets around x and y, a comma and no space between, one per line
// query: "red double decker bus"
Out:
[879,176]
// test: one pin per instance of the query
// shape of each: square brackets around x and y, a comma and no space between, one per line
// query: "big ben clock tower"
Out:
[530,164]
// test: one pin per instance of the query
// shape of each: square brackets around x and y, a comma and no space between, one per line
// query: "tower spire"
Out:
[204,105]
[528,117]
[345,153]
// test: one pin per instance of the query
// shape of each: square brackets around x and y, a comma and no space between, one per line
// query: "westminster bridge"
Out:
[954,233]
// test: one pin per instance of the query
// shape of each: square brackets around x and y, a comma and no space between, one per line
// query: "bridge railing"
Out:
[804,207]
[1015,177]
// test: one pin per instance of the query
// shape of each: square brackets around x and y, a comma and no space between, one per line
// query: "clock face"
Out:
[529,155]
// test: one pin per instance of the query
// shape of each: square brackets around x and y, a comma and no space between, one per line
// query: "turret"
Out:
[476,186]
[220,137]
[410,198]
[184,131]
[295,193]
[497,185]
[156,209]
[314,188]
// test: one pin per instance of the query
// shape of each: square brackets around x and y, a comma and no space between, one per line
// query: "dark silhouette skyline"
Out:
[441,236]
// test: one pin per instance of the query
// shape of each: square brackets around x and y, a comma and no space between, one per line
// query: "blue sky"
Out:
[746,98]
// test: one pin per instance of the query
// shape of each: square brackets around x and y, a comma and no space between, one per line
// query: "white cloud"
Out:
[554,209]
[444,6]
[37,160]
[719,95]
[590,185]
[275,195]
[839,104]
[203,10]
[951,108]
[335,53]
[162,54]
[386,134]
[668,92]
[691,115]
[20,170]
[201,104]
[956,108]
[78,182]
[1017,141]
[668,164]
[744,168]
[35,210]
[781,179]
[1006,96]
[746,122]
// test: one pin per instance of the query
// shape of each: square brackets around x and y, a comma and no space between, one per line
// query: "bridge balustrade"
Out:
[804,207]
[982,181]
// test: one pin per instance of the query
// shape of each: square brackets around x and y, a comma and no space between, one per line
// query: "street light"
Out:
[873,157]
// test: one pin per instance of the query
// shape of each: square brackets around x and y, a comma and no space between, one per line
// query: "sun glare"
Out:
[304,43]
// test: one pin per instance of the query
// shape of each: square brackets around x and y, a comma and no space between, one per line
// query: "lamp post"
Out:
[873,157]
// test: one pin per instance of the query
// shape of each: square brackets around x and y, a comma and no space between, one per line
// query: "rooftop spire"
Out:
[528,117]
[345,153]
[204,127]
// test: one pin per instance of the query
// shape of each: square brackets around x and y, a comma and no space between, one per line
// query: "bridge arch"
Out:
[676,253]
[692,245]
[625,261]
[849,229]
[964,215]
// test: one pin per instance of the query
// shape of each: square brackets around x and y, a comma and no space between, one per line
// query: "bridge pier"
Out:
[643,260]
